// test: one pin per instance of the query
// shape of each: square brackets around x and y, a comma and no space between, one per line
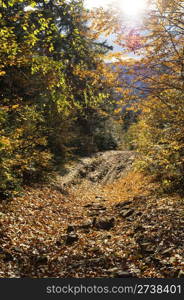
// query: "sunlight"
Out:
[128,7]
[132,7]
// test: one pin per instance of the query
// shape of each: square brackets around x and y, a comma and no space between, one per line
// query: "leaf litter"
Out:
[114,229]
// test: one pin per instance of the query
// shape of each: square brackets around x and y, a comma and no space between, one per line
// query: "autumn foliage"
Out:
[51,75]
[156,91]
[59,80]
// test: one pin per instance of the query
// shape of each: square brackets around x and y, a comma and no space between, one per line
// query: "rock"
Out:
[181,274]
[102,168]
[112,270]
[7,256]
[88,205]
[118,273]
[71,238]
[95,210]
[100,207]
[86,225]
[93,213]
[104,223]
[122,274]
[70,228]
[41,260]
[126,213]
[122,204]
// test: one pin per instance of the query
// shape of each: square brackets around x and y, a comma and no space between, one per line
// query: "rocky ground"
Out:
[98,218]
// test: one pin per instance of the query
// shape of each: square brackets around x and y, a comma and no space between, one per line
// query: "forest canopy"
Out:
[51,80]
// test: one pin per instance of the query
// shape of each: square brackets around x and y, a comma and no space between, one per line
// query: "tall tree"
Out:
[49,68]
[160,67]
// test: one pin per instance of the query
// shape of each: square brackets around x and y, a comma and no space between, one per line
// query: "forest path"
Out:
[101,219]
[100,168]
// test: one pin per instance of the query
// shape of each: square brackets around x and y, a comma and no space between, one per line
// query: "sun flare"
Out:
[128,7]
[132,7]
